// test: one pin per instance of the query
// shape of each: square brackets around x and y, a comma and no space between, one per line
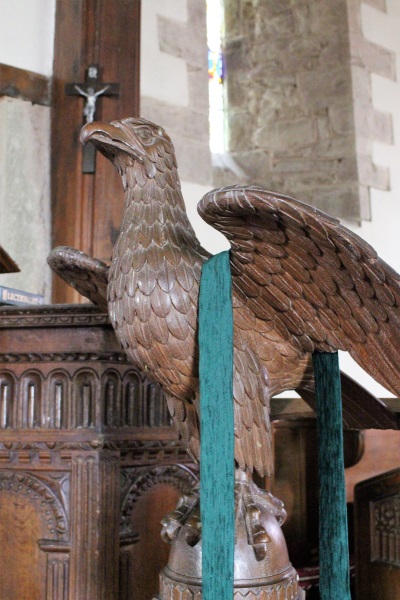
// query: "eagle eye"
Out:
[145,134]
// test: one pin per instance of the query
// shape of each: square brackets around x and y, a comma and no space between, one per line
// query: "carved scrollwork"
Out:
[67,396]
[140,452]
[42,496]
[174,590]
[180,476]
[35,357]
[52,316]
[386,530]
[7,400]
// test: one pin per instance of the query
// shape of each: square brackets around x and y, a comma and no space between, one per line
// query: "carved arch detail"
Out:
[180,476]
[46,502]
[8,385]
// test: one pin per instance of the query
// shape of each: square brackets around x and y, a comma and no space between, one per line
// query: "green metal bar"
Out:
[217,429]
[334,552]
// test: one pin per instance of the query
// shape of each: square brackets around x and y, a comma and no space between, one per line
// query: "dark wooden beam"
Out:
[19,83]
[87,208]
[297,408]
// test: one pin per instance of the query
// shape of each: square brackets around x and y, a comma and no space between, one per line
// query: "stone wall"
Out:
[174,93]
[371,125]
[174,84]
[292,70]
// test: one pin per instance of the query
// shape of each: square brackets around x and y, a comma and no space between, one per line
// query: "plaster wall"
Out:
[26,42]
[25,193]
[174,93]
[27,33]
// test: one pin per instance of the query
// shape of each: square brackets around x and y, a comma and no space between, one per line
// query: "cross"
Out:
[91,89]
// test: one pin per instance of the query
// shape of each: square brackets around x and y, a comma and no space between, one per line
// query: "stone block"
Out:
[231,18]
[341,201]
[172,36]
[365,202]
[182,41]
[189,131]
[236,91]
[361,83]
[322,88]
[181,121]
[194,160]
[327,16]
[248,19]
[354,18]
[227,171]
[197,33]
[25,193]
[241,126]
[281,25]
[372,123]
[378,4]
[335,50]
[273,7]
[372,57]
[381,126]
[298,183]
[324,130]
[338,147]
[198,89]
[299,166]
[301,19]
[279,99]
[255,163]
[237,55]
[371,175]
[287,135]
[301,54]
[341,118]
[263,53]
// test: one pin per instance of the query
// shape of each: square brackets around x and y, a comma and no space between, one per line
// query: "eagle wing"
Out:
[314,282]
[87,275]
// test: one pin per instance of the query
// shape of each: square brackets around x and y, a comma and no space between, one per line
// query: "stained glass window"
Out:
[215,75]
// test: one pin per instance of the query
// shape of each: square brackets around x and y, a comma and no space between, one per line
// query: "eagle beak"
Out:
[111,139]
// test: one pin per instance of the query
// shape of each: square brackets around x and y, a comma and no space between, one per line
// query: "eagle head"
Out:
[132,144]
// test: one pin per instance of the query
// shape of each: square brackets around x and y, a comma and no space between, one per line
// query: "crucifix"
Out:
[91,89]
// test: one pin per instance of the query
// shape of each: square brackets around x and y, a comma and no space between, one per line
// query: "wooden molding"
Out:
[19,83]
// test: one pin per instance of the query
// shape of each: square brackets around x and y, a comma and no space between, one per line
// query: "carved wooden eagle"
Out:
[301,282]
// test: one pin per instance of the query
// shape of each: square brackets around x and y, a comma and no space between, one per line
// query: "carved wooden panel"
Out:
[148,495]
[30,511]
[86,450]
[296,482]
[377,516]
[21,525]
[385,527]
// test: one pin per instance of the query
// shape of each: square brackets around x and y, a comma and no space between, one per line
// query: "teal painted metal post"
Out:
[217,433]
[334,551]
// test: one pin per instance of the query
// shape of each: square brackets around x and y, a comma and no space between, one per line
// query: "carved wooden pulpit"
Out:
[89,462]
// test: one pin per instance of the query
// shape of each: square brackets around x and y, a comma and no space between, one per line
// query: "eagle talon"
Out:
[252,501]
[183,515]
